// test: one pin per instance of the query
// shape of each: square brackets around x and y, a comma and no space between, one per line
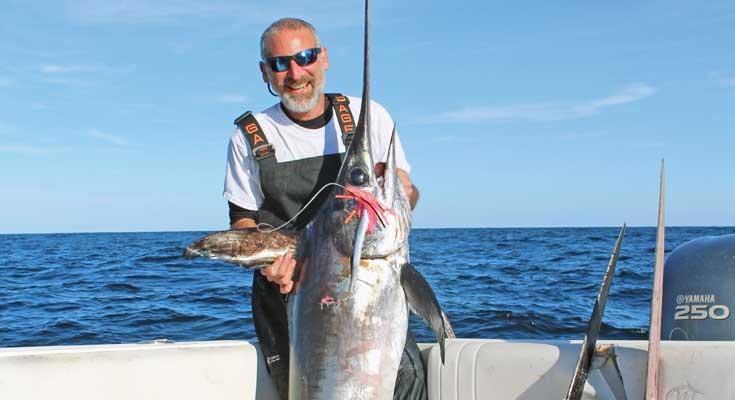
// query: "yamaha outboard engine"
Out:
[699,290]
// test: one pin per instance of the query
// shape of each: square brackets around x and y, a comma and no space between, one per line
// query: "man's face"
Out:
[299,88]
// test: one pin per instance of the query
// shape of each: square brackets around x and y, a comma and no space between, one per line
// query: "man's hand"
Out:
[281,272]
[412,192]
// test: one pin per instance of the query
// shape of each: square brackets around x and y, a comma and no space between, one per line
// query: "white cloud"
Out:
[232,98]
[552,111]
[67,69]
[69,75]
[722,78]
[108,138]
[629,94]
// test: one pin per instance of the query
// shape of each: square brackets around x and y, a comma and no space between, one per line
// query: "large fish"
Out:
[348,312]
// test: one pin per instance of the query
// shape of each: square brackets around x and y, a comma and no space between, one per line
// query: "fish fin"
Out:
[245,247]
[423,302]
[448,327]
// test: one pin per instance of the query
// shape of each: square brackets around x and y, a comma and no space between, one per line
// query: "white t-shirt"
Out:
[294,142]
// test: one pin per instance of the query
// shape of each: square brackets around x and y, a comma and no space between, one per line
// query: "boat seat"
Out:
[476,369]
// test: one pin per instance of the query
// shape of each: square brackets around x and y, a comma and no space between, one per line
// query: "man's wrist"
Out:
[243,223]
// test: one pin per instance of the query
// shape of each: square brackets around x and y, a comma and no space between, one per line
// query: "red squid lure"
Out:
[365,202]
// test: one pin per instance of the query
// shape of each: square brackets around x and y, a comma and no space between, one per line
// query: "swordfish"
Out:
[354,285]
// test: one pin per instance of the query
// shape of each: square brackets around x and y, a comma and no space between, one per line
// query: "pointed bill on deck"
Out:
[654,331]
[606,361]
[576,386]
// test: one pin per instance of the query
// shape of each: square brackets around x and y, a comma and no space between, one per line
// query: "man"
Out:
[291,151]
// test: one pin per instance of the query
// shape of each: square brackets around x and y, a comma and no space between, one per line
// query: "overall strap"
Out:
[255,136]
[341,106]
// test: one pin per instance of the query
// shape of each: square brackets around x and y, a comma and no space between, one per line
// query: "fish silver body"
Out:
[348,344]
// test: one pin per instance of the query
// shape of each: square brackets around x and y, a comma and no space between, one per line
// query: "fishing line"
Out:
[270,227]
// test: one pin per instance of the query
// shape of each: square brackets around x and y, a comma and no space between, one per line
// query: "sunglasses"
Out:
[302,58]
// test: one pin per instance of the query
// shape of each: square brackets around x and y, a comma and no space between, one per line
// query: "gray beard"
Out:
[303,105]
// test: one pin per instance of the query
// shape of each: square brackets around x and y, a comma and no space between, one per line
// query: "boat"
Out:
[691,363]
[474,369]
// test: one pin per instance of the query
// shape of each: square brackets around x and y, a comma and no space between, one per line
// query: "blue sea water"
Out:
[534,283]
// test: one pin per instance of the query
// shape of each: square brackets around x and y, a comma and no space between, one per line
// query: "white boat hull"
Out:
[474,370]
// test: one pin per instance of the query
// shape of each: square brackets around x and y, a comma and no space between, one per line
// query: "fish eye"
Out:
[358,177]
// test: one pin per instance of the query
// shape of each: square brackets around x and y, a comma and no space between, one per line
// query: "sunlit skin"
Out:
[285,43]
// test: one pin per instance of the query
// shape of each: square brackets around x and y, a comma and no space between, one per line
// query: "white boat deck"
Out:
[474,370]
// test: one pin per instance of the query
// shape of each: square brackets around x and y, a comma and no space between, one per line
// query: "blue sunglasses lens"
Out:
[279,64]
[306,57]
[302,59]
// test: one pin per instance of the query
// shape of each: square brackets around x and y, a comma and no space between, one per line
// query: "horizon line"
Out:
[417,228]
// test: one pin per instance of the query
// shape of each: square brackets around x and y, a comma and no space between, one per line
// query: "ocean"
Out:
[507,283]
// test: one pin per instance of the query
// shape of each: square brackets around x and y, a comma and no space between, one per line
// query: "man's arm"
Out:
[411,190]
[244,168]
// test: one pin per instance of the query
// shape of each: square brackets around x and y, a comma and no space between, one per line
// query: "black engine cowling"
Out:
[699,290]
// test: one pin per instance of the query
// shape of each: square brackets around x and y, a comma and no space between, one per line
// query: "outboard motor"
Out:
[699,290]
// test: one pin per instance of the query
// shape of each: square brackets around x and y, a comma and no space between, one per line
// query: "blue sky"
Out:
[115,116]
